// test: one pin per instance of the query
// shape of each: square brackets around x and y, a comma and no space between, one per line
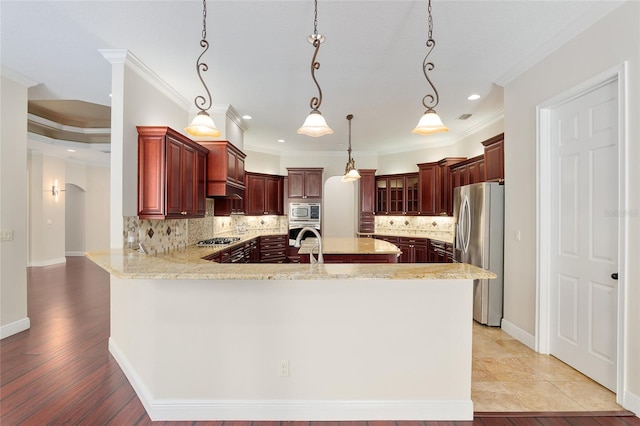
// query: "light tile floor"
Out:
[508,376]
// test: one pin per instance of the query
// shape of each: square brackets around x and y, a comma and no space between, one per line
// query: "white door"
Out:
[584,233]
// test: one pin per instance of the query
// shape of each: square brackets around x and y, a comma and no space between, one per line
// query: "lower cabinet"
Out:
[440,252]
[273,248]
[414,250]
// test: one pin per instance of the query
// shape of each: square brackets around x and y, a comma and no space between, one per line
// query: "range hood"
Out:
[225,170]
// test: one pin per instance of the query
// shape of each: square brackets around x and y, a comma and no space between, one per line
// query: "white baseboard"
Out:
[75,253]
[48,262]
[631,402]
[519,334]
[290,410]
[15,327]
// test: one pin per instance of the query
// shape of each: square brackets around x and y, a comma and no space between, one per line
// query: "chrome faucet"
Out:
[317,234]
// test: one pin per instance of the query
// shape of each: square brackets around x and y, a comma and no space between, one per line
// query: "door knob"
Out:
[614,275]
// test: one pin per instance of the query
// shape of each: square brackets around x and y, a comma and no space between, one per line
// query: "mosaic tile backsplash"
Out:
[160,236]
[435,225]
[165,235]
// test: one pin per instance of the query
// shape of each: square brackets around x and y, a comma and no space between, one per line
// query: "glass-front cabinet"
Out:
[397,194]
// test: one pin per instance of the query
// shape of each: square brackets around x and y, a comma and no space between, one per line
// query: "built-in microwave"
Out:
[304,212]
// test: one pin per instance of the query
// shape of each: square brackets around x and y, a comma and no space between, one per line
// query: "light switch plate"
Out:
[6,235]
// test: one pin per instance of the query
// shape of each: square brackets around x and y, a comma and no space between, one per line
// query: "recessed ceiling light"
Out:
[247,117]
[71,150]
[281,140]
[473,97]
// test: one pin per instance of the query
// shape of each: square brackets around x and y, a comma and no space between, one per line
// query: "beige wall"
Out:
[606,44]
[13,205]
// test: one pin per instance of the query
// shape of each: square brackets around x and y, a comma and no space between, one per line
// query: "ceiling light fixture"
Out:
[473,97]
[247,117]
[202,124]
[430,122]
[350,172]
[315,124]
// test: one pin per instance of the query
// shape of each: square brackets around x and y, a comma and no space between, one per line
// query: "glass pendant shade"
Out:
[351,176]
[203,125]
[429,124]
[315,125]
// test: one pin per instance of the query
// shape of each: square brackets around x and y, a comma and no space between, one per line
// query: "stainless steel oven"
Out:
[295,229]
[304,213]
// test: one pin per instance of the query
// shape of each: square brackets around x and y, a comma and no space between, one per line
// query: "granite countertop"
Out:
[186,263]
[443,236]
[348,246]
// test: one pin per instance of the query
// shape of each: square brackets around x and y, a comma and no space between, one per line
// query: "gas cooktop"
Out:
[218,241]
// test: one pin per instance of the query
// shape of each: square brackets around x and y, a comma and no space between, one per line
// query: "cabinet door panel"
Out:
[188,176]
[174,150]
[273,196]
[296,184]
[255,195]
[151,188]
[313,184]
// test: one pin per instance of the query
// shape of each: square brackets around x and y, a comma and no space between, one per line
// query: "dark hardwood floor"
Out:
[60,371]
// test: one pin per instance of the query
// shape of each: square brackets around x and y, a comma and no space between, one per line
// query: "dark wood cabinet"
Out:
[469,171]
[444,185]
[171,174]
[225,169]
[494,158]
[414,250]
[429,190]
[397,194]
[440,252]
[304,182]
[228,206]
[273,248]
[367,199]
[264,194]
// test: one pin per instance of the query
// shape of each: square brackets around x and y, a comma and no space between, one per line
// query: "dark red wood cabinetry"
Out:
[397,194]
[273,248]
[171,174]
[367,198]
[264,194]
[414,250]
[304,182]
[225,169]
[494,158]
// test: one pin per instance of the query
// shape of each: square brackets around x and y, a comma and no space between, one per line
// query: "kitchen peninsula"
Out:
[350,250]
[200,340]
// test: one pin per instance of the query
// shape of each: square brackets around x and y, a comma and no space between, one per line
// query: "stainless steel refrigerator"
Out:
[478,210]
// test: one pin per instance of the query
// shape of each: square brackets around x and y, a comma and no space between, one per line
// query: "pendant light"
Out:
[350,172]
[315,124]
[202,124]
[430,122]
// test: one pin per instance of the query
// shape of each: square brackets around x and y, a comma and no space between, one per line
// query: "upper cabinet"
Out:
[436,187]
[367,199]
[468,171]
[171,174]
[264,195]
[397,194]
[225,169]
[305,182]
[494,158]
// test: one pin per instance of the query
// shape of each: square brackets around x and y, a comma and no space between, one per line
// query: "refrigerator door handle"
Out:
[466,224]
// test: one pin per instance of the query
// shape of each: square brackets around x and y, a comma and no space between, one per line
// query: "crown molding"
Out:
[81,130]
[17,77]
[124,56]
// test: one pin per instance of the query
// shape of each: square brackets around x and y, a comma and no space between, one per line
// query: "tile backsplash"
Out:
[434,225]
[165,235]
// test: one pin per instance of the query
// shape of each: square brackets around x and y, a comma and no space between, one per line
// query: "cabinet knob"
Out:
[183,213]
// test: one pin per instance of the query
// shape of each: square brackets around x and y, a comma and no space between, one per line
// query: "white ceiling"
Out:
[259,59]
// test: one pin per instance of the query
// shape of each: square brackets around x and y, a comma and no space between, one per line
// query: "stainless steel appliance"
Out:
[296,228]
[217,241]
[478,210]
[304,213]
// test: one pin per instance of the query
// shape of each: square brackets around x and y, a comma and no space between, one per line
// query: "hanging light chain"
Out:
[349,117]
[315,19]
[202,103]
[430,101]
[204,19]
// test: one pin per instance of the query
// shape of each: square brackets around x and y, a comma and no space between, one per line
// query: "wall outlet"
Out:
[6,235]
[283,368]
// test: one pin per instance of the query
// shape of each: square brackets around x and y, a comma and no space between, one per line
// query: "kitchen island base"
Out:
[354,349]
